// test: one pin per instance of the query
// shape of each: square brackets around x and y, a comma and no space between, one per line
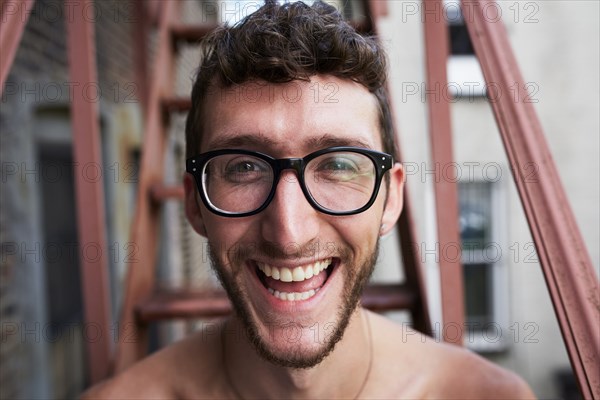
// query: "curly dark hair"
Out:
[283,43]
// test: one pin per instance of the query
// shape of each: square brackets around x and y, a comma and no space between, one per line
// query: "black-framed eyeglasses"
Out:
[335,180]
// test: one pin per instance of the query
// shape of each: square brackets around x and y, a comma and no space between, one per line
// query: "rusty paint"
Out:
[89,194]
[141,278]
[566,264]
[15,15]
[446,192]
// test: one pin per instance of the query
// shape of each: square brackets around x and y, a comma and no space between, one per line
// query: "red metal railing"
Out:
[91,222]
[567,267]
[14,18]
[446,194]
[144,233]
[566,264]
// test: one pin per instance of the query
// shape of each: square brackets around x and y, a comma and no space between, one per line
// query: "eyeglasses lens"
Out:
[337,181]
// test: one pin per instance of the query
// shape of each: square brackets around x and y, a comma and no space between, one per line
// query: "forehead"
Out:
[291,119]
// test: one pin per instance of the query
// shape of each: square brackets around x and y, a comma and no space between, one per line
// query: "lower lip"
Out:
[293,305]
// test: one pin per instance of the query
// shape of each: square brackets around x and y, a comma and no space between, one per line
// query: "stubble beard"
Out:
[355,280]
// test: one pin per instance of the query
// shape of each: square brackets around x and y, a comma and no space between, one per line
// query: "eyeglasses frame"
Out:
[195,166]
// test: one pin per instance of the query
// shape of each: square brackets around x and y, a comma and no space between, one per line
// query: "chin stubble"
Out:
[355,280]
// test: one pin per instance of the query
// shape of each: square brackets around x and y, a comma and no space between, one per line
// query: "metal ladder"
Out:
[143,304]
[566,264]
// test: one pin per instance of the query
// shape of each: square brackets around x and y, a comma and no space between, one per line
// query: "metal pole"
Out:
[566,264]
[446,194]
[89,193]
[14,19]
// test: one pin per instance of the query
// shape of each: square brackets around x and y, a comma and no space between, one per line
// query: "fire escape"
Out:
[565,262]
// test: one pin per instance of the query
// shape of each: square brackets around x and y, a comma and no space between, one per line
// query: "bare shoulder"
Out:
[437,370]
[186,369]
[148,378]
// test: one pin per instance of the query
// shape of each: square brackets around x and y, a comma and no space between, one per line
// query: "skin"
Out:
[403,363]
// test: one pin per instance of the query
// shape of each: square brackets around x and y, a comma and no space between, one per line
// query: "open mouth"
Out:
[298,283]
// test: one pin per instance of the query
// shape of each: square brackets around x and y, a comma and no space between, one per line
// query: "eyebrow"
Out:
[262,141]
[335,141]
[253,139]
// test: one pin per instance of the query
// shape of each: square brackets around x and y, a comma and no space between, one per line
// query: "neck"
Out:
[342,374]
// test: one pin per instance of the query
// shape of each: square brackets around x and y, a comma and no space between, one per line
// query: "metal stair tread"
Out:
[188,304]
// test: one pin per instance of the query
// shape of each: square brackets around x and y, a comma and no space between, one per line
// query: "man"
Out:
[291,178]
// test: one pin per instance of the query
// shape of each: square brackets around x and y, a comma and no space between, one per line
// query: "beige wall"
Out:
[556,45]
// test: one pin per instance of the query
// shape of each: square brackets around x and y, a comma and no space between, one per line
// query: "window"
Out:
[465,78]
[485,285]
[460,42]
[60,250]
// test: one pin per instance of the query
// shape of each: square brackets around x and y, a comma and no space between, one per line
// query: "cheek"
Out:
[222,234]
[227,235]
[360,231]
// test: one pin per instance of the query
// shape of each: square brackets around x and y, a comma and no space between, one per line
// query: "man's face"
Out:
[294,323]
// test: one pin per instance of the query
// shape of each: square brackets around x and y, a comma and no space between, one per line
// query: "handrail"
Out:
[446,192]
[145,227]
[566,264]
[406,231]
[89,193]
[15,15]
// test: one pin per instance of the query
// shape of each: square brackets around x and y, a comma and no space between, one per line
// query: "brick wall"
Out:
[33,364]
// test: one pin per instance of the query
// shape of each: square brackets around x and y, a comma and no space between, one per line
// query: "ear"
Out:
[395,199]
[192,204]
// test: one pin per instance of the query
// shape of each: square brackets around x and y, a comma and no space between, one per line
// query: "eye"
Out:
[341,167]
[336,168]
[242,167]
[337,164]
[245,170]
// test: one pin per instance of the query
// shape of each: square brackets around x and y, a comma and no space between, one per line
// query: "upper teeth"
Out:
[296,274]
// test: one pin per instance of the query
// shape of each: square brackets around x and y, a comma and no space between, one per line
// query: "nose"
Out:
[289,222]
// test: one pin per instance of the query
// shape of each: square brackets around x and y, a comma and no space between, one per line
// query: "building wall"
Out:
[40,60]
[556,46]
[39,357]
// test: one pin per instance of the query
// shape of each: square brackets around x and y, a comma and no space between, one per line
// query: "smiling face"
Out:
[294,274]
